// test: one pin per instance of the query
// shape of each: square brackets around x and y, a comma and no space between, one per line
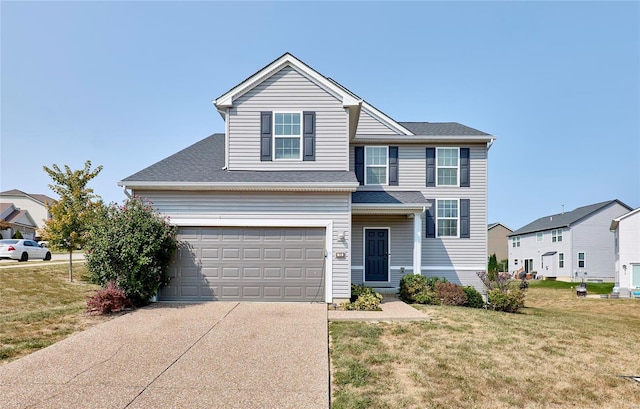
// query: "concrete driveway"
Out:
[210,355]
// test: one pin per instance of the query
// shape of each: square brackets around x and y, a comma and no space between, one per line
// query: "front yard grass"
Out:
[38,307]
[559,352]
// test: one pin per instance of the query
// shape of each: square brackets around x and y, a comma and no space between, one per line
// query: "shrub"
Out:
[411,285]
[109,299]
[132,246]
[427,297]
[17,235]
[474,298]
[366,299]
[433,281]
[508,301]
[450,294]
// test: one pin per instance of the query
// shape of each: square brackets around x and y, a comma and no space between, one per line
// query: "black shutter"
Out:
[309,136]
[430,220]
[465,222]
[393,166]
[265,136]
[359,165]
[431,167]
[464,167]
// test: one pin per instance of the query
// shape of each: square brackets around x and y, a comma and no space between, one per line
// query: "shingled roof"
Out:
[203,162]
[559,220]
[441,129]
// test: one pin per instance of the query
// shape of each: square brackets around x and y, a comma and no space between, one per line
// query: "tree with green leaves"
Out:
[74,211]
[131,247]
[493,267]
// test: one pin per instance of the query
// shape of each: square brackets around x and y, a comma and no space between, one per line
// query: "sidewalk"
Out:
[392,310]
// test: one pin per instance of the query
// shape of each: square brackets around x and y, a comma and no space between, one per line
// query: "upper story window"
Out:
[556,235]
[538,237]
[376,164]
[515,241]
[447,166]
[287,135]
[447,215]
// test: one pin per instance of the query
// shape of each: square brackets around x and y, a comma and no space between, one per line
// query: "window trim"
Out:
[366,165]
[539,237]
[584,259]
[438,167]
[299,136]
[515,241]
[556,235]
[560,260]
[448,218]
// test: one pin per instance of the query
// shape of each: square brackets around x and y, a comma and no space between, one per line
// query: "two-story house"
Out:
[626,230]
[498,239]
[569,246]
[311,188]
[36,204]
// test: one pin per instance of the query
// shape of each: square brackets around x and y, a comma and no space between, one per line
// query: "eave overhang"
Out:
[458,139]
[255,187]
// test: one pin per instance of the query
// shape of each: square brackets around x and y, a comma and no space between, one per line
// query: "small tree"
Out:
[74,211]
[492,268]
[131,245]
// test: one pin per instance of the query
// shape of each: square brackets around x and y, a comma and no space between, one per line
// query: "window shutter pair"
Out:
[465,219]
[392,162]
[465,168]
[308,136]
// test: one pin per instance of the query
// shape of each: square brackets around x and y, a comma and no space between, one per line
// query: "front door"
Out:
[376,255]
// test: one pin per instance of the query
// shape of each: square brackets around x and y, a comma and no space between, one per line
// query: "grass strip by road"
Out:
[560,352]
[38,307]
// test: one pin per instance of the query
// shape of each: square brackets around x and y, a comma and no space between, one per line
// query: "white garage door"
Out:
[247,264]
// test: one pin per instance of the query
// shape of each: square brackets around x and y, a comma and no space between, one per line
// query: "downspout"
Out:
[225,115]
[126,193]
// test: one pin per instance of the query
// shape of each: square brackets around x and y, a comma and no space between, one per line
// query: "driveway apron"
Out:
[211,355]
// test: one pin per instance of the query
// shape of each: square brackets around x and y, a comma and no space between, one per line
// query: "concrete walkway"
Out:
[392,310]
[210,355]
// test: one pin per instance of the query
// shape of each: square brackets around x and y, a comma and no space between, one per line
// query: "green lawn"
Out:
[559,352]
[592,288]
[38,307]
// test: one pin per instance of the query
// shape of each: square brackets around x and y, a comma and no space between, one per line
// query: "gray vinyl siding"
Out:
[288,91]
[368,125]
[457,257]
[273,206]
[401,243]
[593,237]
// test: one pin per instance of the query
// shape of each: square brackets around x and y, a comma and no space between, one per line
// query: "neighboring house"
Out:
[36,204]
[574,245]
[311,189]
[498,239]
[14,219]
[626,229]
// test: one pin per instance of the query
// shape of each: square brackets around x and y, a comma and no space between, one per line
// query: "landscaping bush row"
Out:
[437,291]
[502,295]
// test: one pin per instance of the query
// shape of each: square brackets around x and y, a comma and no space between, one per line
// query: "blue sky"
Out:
[125,84]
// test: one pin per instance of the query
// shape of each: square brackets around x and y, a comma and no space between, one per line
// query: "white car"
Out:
[23,250]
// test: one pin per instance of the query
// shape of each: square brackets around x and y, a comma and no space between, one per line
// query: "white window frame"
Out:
[515,241]
[366,165]
[539,237]
[560,260]
[438,167]
[448,218]
[584,259]
[556,235]
[299,158]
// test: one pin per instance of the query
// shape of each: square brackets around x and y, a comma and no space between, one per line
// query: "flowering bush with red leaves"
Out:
[109,299]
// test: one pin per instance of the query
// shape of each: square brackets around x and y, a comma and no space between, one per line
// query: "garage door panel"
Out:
[256,264]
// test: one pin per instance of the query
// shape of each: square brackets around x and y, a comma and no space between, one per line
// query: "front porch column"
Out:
[417,243]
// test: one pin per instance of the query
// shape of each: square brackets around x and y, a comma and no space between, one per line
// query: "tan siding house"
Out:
[498,241]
